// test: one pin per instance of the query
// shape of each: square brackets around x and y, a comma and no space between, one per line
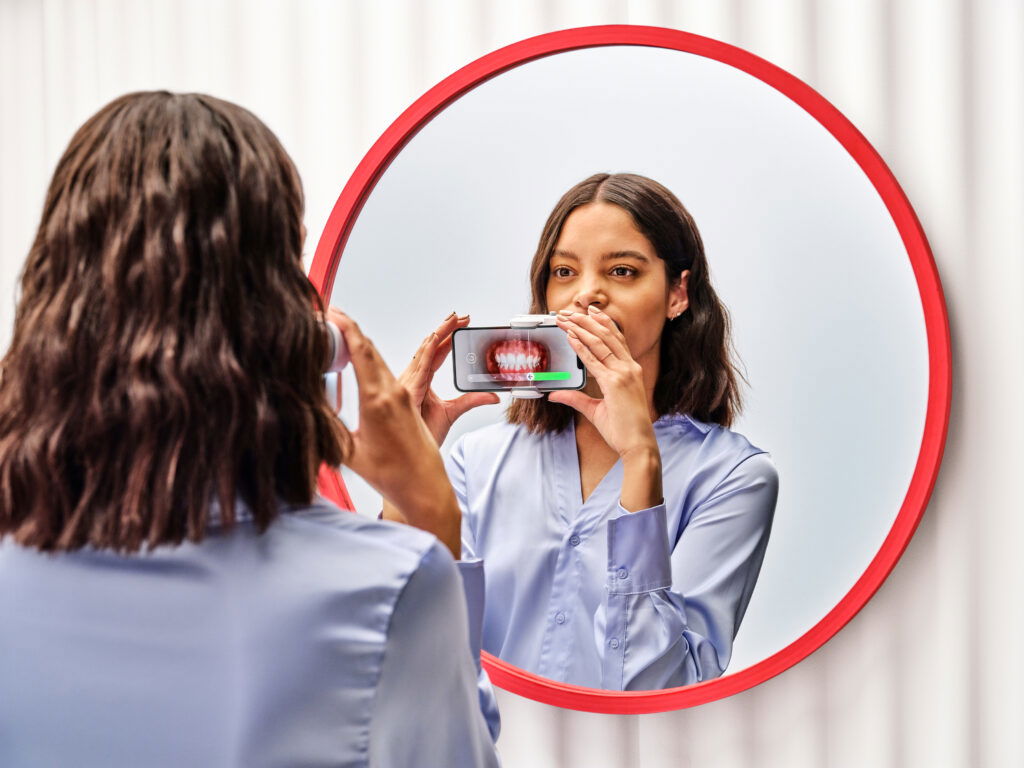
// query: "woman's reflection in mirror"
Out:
[622,528]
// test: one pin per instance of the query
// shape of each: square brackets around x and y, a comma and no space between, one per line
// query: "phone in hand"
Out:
[506,359]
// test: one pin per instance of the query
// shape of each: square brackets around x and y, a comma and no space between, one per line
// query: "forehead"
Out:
[598,228]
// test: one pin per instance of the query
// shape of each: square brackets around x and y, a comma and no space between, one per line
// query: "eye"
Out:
[623,271]
[561,271]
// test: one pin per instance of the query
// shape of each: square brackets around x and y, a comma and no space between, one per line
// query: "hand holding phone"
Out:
[417,378]
[393,450]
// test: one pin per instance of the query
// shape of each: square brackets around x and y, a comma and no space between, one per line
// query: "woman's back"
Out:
[166,371]
[245,650]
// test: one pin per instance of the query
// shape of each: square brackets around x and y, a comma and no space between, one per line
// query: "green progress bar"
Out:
[552,376]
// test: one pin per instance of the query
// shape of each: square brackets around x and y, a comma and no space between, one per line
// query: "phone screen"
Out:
[502,359]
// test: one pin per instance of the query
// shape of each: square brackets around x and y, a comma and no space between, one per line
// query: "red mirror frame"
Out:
[387,147]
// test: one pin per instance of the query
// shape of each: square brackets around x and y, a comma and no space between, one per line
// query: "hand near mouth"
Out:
[622,416]
[439,414]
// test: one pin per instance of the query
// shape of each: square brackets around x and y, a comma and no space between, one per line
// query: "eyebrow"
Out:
[607,257]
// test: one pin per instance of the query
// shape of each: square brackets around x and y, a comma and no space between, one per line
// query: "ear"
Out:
[678,299]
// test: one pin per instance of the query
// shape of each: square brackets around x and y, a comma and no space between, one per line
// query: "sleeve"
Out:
[670,614]
[472,569]
[472,573]
[455,466]
[428,702]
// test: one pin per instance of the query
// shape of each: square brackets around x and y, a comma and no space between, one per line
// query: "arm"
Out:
[472,569]
[438,414]
[427,701]
[393,450]
[670,614]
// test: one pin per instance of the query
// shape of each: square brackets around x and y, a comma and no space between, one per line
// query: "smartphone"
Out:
[503,359]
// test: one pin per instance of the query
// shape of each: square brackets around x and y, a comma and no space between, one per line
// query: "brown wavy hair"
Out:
[696,374]
[166,354]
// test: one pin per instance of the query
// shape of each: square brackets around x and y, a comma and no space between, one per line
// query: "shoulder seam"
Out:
[729,474]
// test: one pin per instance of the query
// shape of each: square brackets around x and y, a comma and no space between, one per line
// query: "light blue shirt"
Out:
[590,594]
[330,639]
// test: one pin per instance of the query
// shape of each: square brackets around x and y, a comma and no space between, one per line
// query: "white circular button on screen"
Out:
[471,358]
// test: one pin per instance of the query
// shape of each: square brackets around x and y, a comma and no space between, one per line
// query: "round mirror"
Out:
[839,325]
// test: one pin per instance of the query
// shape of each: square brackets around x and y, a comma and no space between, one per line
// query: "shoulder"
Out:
[339,533]
[437,581]
[709,460]
[489,442]
[493,434]
[713,440]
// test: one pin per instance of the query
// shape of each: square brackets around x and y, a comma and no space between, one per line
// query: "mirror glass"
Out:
[827,318]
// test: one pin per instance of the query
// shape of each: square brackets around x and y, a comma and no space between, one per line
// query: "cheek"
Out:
[648,329]
[554,298]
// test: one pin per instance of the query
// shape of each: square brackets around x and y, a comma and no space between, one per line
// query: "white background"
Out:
[929,673]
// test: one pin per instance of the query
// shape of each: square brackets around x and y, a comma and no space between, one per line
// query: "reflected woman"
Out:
[623,527]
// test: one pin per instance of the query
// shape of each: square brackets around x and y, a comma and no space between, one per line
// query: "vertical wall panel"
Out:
[928,152]
[716,20]
[328,87]
[583,13]
[995,186]
[852,63]
[25,164]
[505,23]
[929,672]
[780,32]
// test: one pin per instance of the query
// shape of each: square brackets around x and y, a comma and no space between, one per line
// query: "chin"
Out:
[650,350]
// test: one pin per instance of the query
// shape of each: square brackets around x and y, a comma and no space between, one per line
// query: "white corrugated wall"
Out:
[930,672]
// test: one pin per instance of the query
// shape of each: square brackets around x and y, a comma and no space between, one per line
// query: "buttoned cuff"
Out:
[638,551]
[472,573]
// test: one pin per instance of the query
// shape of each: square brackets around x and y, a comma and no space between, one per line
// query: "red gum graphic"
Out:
[516,356]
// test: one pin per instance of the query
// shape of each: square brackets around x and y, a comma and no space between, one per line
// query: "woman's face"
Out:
[602,258]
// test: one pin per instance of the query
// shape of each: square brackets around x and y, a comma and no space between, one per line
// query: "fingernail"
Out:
[463,317]
[565,312]
[594,310]
[450,316]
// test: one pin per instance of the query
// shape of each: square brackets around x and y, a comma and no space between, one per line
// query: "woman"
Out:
[174,593]
[622,528]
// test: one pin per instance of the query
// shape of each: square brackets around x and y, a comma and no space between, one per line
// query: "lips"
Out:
[514,358]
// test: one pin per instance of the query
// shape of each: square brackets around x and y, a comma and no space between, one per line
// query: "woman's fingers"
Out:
[602,326]
[585,404]
[591,362]
[445,346]
[429,356]
[613,335]
[590,347]
[467,402]
[425,352]
[371,371]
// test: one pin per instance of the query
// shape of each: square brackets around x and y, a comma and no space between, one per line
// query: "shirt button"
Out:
[623,573]
[574,540]
[560,617]
[614,642]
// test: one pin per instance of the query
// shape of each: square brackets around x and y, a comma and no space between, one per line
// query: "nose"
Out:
[589,292]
